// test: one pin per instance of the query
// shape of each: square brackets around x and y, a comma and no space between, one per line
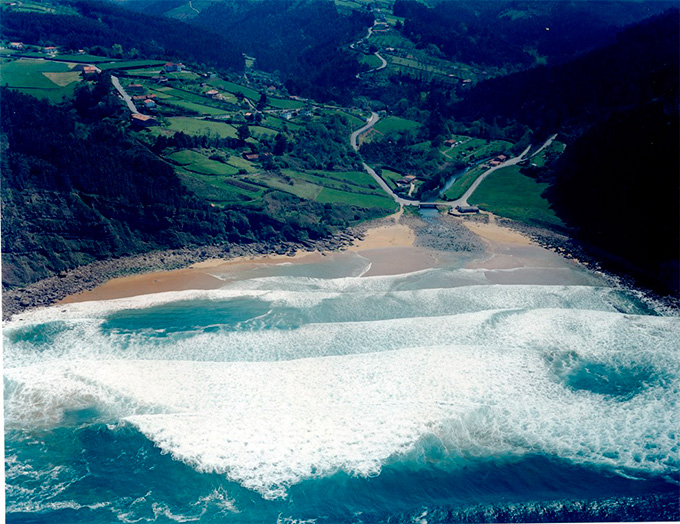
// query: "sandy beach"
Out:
[390,246]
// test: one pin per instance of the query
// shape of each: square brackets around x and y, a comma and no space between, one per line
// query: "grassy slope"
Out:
[509,193]
[395,124]
[193,126]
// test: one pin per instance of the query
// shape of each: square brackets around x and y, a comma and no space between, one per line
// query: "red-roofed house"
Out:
[171,67]
[140,120]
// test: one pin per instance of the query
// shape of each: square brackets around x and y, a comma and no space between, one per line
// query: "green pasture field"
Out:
[360,179]
[391,177]
[234,88]
[355,122]
[371,60]
[335,196]
[198,163]
[241,163]
[351,4]
[352,187]
[392,19]
[194,126]
[29,6]
[86,59]
[146,73]
[437,68]
[183,12]
[395,124]
[475,149]
[281,103]
[191,106]
[274,122]
[509,193]
[44,79]
[391,39]
[183,95]
[219,190]
[189,96]
[351,181]
[297,187]
[259,130]
[130,64]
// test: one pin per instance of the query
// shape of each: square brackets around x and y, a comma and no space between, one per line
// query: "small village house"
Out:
[142,121]
[171,67]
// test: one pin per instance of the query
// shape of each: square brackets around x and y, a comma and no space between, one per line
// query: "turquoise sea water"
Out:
[307,393]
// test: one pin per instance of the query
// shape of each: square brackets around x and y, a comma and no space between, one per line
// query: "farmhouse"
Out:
[89,70]
[171,67]
[149,104]
[16,45]
[135,88]
[139,120]
[251,157]
[50,50]
[213,93]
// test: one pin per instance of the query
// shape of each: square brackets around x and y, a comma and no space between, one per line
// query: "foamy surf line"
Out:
[270,425]
[310,292]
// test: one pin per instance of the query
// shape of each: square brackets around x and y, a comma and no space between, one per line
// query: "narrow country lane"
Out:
[123,93]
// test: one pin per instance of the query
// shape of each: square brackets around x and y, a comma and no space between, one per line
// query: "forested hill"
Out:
[640,65]
[619,185]
[515,35]
[302,40]
[101,24]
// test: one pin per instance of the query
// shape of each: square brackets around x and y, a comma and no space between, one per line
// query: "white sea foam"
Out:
[485,370]
[269,425]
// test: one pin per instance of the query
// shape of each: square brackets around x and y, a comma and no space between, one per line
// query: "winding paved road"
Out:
[383,62]
[462,201]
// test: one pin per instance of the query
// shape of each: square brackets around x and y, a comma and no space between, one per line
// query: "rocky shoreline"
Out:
[569,248]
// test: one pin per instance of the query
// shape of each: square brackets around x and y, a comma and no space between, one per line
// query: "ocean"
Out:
[311,393]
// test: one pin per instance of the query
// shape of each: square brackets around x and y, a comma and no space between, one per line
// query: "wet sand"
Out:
[389,247]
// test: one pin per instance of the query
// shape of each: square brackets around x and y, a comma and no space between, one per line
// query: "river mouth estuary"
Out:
[330,389]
